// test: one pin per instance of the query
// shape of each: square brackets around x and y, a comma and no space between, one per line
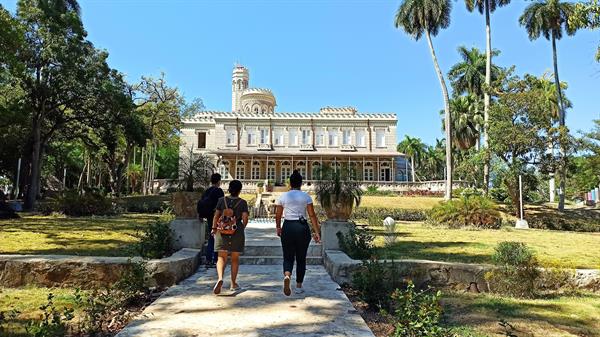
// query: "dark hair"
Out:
[296,179]
[235,187]
[215,178]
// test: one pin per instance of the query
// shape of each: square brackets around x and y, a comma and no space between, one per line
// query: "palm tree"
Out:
[414,148]
[486,6]
[433,162]
[547,18]
[427,17]
[468,75]
[466,121]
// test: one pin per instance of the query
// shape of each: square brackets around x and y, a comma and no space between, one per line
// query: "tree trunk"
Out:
[448,125]
[563,154]
[486,96]
[412,167]
[34,175]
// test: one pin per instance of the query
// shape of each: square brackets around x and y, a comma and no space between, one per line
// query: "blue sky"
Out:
[314,53]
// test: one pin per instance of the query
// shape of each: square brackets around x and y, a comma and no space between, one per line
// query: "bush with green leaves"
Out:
[417,313]
[371,214]
[472,211]
[517,270]
[155,239]
[375,281]
[373,190]
[357,243]
[54,322]
[88,203]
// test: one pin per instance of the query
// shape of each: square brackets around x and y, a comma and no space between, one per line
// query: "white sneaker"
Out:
[299,291]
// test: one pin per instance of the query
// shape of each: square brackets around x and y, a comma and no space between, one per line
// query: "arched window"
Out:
[315,171]
[368,172]
[271,170]
[301,167]
[255,170]
[286,170]
[224,171]
[240,170]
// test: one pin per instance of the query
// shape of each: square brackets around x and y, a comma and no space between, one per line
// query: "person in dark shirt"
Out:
[212,196]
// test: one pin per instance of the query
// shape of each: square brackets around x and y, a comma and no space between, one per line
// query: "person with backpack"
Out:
[206,210]
[229,224]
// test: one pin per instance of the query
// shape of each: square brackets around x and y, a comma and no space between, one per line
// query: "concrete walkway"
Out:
[258,310]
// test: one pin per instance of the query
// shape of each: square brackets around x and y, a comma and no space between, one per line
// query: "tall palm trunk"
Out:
[34,175]
[563,154]
[448,125]
[486,96]
[412,167]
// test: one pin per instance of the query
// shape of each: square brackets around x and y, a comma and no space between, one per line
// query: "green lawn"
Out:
[415,240]
[399,202]
[27,302]
[560,316]
[102,236]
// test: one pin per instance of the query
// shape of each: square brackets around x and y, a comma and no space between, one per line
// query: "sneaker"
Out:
[286,286]
[235,287]
[217,288]
[298,291]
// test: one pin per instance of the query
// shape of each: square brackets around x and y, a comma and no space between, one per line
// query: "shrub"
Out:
[373,190]
[472,211]
[85,204]
[155,239]
[375,281]
[380,213]
[417,313]
[517,270]
[145,203]
[357,243]
[54,322]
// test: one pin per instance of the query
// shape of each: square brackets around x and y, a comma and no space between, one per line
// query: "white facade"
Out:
[254,143]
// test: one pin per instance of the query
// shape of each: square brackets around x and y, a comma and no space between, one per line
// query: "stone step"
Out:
[275,250]
[275,260]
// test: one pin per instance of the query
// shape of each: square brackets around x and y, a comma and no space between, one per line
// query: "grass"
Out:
[88,236]
[415,240]
[27,302]
[399,202]
[559,316]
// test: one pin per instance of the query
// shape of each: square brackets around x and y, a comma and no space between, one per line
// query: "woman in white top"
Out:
[295,234]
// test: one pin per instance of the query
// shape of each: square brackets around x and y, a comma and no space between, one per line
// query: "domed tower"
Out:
[257,100]
[239,83]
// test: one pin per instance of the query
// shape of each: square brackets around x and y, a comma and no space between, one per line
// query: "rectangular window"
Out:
[202,140]
[271,173]
[231,137]
[380,138]
[360,138]
[346,137]
[251,138]
[293,137]
[278,137]
[368,174]
[255,172]
[320,138]
[264,136]
[333,138]
[240,172]
[306,137]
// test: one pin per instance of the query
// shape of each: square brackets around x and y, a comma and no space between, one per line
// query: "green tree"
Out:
[587,15]
[486,6]
[468,75]
[428,17]
[414,148]
[466,121]
[519,133]
[547,18]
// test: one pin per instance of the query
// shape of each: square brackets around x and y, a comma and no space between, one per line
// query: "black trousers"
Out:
[295,238]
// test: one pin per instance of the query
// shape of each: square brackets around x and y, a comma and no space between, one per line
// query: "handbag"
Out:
[227,224]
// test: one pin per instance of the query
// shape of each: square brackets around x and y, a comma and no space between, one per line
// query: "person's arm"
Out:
[213,230]
[315,222]
[278,215]
[245,216]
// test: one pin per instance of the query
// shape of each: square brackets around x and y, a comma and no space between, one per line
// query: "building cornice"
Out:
[212,116]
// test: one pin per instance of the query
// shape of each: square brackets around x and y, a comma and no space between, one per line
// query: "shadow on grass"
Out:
[437,251]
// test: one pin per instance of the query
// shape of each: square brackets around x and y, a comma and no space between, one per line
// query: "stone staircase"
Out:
[263,247]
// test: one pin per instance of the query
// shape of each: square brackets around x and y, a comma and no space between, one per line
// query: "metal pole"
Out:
[18,178]
[64,178]
[521,194]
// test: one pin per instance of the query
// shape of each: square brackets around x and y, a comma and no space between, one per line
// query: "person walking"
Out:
[295,233]
[206,210]
[229,224]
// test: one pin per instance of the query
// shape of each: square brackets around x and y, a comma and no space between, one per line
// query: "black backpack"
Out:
[206,205]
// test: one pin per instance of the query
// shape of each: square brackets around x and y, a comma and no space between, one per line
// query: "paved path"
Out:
[259,310]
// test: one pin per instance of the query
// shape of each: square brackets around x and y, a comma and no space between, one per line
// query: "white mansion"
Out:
[253,142]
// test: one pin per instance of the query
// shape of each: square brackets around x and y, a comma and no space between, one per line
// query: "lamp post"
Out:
[521,223]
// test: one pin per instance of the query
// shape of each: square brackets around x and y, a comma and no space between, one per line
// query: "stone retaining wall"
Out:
[446,274]
[91,271]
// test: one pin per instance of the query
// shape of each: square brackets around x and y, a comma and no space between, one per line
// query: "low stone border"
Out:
[91,271]
[448,274]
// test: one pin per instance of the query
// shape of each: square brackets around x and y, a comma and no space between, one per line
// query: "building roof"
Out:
[299,153]
[208,116]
